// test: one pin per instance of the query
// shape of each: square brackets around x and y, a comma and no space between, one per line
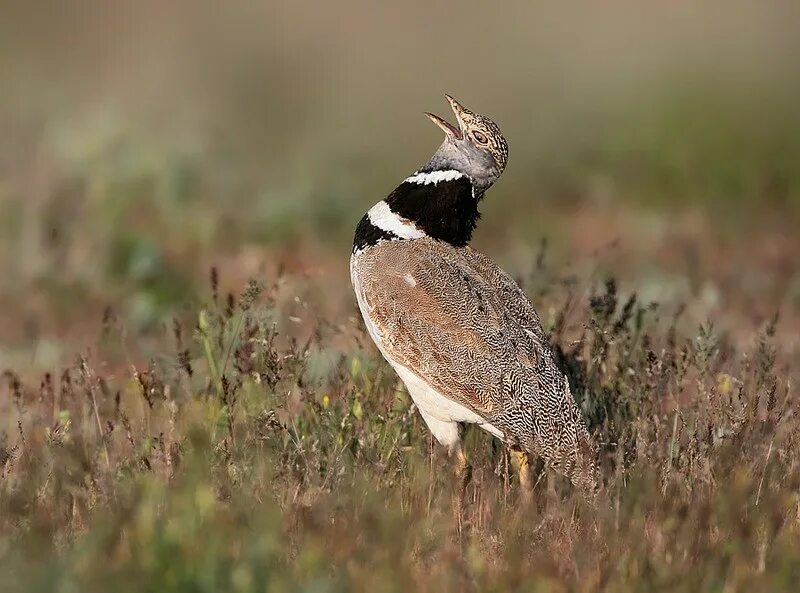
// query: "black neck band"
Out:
[447,210]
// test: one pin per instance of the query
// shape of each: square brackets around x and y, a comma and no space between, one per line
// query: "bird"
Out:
[457,329]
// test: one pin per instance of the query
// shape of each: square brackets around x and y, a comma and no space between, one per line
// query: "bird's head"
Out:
[476,147]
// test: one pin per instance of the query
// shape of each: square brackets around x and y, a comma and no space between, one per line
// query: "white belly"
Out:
[436,407]
[441,414]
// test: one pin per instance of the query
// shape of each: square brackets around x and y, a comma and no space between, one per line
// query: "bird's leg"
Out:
[526,474]
[463,468]
[463,472]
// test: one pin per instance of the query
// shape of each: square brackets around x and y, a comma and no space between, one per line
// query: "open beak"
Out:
[447,127]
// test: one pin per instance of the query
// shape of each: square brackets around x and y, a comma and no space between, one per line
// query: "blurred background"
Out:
[143,143]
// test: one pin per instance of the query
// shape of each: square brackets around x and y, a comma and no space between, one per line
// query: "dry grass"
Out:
[260,451]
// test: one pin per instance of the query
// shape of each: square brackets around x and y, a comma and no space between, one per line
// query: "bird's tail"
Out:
[570,451]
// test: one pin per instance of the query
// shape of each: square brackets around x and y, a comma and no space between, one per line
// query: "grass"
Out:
[254,452]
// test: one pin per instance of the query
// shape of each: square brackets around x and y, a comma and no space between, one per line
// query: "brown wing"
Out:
[513,297]
[445,321]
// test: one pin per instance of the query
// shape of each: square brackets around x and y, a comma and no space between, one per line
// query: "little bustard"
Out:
[456,328]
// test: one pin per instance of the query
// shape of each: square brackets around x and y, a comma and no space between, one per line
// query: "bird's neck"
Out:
[437,203]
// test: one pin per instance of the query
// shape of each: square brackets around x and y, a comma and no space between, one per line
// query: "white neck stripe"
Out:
[434,177]
[382,217]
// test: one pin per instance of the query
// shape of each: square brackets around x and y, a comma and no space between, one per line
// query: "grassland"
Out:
[256,441]
[188,399]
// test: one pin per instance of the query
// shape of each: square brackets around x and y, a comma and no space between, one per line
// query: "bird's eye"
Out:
[480,137]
